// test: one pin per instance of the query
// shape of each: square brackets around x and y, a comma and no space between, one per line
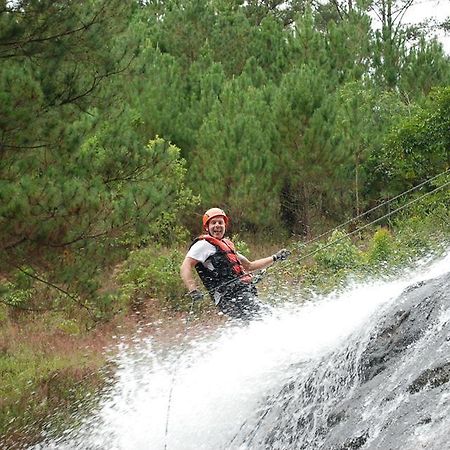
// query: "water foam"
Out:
[218,380]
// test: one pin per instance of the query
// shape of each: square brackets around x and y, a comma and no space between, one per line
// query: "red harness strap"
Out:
[227,247]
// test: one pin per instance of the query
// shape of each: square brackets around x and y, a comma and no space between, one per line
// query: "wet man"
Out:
[225,273]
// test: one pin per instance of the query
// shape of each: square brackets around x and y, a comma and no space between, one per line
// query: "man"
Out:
[224,272]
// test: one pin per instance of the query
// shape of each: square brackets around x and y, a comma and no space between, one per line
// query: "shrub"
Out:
[152,272]
[338,253]
[381,247]
[40,390]
[240,245]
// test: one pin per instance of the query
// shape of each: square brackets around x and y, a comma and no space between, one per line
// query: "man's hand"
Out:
[195,295]
[281,255]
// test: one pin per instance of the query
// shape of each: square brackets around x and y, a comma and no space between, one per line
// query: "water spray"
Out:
[259,275]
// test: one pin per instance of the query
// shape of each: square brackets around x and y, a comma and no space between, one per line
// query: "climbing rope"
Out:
[387,202]
[174,374]
[373,222]
[252,434]
[263,272]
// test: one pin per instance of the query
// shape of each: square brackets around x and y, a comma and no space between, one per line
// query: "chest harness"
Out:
[227,267]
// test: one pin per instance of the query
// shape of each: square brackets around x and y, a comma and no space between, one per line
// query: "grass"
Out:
[44,373]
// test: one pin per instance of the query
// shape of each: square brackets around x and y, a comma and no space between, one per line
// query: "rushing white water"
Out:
[218,380]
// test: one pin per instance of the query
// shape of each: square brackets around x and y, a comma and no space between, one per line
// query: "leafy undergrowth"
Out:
[382,253]
[48,368]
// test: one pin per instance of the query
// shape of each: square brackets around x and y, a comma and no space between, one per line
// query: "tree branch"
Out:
[30,40]
[95,83]
[15,244]
[24,308]
[54,286]
[23,147]
[338,8]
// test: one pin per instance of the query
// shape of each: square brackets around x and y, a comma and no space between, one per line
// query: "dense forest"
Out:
[121,121]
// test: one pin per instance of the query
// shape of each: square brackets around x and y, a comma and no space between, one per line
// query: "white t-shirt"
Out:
[201,251]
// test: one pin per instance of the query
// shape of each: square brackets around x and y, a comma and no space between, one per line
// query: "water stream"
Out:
[295,379]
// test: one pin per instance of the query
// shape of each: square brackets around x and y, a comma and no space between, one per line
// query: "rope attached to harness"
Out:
[174,374]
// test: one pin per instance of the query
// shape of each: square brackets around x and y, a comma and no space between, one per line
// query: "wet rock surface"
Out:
[431,379]
[388,389]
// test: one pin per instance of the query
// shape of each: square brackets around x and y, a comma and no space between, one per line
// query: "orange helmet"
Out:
[213,212]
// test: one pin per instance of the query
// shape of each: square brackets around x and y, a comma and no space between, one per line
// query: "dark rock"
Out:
[388,389]
[355,443]
[396,334]
[430,379]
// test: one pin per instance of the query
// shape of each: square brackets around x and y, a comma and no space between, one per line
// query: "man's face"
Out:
[216,227]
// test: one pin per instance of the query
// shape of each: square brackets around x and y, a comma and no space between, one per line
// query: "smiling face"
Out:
[216,227]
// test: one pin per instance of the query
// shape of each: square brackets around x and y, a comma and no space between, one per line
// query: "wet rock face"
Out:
[405,372]
[417,310]
[431,379]
[389,389]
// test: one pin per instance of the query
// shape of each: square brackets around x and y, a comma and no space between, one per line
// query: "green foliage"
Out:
[357,134]
[422,232]
[338,253]
[303,110]
[404,57]
[381,247]
[152,274]
[417,148]
[12,295]
[38,389]
[57,55]
[424,69]
[240,245]
[425,229]
[19,290]
[48,374]
[100,196]
[239,132]
[270,109]
[69,326]
[79,185]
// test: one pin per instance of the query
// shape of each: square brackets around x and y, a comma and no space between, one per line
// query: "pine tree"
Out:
[300,96]
[235,162]
[78,183]
[425,66]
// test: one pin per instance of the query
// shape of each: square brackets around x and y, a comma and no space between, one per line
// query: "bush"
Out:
[240,245]
[152,272]
[381,247]
[425,231]
[42,386]
[338,253]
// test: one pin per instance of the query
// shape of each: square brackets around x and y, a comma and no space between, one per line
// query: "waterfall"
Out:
[365,368]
